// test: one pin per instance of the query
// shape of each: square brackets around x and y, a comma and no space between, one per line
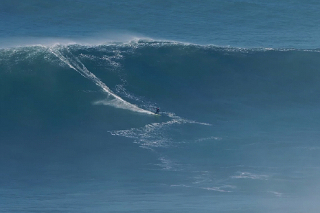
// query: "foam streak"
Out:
[75,64]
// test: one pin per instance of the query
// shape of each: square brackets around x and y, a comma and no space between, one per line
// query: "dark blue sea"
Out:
[237,83]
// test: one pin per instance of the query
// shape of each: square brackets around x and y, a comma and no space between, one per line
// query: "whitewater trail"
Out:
[74,63]
[150,136]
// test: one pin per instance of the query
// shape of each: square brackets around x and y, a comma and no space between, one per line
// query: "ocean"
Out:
[236,82]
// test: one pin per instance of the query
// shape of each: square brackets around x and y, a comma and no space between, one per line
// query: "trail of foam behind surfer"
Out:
[74,63]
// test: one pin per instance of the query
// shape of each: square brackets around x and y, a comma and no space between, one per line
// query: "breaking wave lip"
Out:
[95,40]
[125,39]
[17,42]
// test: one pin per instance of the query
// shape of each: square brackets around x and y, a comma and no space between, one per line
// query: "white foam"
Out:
[166,164]
[179,120]
[106,38]
[74,63]
[248,175]
[121,104]
[217,189]
[34,41]
[152,135]
[277,194]
[209,138]
[223,189]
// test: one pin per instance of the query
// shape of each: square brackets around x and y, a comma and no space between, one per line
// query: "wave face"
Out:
[235,126]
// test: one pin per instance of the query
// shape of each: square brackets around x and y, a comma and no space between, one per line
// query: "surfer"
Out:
[157,110]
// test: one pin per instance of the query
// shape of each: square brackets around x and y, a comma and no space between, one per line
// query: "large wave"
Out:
[143,74]
[199,82]
[227,114]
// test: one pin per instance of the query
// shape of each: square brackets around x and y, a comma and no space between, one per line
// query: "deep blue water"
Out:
[237,23]
[237,84]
